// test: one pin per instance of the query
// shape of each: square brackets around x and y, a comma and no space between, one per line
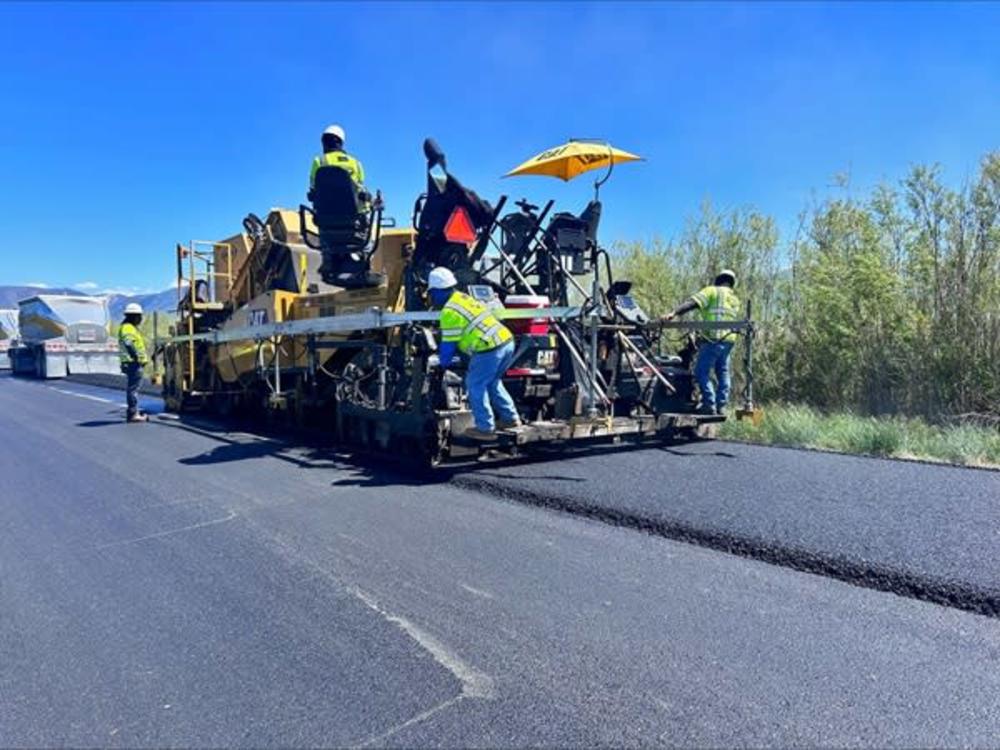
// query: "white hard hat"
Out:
[133,308]
[441,278]
[726,272]
[337,131]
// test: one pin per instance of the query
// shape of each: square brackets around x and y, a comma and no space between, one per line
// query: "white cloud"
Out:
[85,285]
[40,284]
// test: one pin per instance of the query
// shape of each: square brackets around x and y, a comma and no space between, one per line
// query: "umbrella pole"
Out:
[611,167]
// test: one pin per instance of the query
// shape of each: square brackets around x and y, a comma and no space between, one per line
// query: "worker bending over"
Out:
[132,353]
[334,156]
[471,327]
[716,303]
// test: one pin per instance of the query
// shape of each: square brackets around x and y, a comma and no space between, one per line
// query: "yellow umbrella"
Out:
[574,158]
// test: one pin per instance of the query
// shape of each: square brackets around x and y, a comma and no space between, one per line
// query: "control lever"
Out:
[528,208]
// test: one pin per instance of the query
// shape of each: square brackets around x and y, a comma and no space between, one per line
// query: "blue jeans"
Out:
[133,379]
[485,386]
[713,355]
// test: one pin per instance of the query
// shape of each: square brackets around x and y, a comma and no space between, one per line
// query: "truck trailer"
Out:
[8,334]
[60,335]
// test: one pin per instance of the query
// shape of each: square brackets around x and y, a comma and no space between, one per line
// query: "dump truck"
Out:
[319,317]
[59,335]
[8,334]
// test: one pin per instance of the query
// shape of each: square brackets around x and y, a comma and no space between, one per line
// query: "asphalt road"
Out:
[170,585]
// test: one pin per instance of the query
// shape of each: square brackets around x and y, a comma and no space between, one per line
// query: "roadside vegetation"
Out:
[893,437]
[883,308]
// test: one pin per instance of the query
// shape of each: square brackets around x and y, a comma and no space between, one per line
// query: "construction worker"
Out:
[132,353]
[716,303]
[334,156]
[469,326]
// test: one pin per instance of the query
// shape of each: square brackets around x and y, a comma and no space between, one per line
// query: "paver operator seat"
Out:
[345,229]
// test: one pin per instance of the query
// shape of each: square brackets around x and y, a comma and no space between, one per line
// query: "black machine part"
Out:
[444,194]
[624,304]
[345,232]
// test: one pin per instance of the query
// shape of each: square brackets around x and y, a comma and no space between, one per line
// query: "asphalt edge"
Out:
[870,456]
[950,594]
[112,382]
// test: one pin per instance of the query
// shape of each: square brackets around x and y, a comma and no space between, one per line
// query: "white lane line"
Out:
[475,684]
[476,592]
[230,517]
[84,395]
[410,722]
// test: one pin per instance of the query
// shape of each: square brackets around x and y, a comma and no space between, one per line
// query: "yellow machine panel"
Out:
[237,358]
[230,254]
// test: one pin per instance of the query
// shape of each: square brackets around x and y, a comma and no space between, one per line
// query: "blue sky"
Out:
[129,127]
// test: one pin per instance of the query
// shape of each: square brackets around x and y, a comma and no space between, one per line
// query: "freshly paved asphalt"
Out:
[920,530]
[171,585]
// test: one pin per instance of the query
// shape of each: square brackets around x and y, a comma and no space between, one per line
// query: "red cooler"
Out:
[528,326]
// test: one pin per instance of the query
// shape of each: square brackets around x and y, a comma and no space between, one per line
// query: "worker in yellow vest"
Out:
[717,303]
[132,353]
[470,327]
[334,156]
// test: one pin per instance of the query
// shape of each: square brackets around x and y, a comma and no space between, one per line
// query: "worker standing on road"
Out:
[132,352]
[717,303]
[334,156]
[471,327]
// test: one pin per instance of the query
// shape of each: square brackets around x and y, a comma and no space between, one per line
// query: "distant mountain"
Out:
[165,301]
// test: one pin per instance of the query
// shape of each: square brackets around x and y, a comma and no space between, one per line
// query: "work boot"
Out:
[503,424]
[137,418]
[476,434]
[706,409]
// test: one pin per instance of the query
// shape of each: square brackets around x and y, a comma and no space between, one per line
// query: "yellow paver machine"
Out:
[319,317]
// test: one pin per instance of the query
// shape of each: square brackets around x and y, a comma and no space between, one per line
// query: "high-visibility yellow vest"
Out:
[718,303]
[340,159]
[472,325]
[128,334]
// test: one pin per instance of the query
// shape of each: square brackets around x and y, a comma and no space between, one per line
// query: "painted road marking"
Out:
[84,395]
[169,532]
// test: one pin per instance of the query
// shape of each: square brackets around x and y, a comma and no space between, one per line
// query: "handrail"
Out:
[371,319]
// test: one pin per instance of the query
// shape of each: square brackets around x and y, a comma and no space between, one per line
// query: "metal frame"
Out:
[194,254]
[372,319]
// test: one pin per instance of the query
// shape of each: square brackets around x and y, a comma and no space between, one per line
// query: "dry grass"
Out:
[894,437]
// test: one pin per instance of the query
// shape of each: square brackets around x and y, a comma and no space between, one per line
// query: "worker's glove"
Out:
[667,317]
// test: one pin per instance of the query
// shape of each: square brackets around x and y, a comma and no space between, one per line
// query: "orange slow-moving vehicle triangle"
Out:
[459,227]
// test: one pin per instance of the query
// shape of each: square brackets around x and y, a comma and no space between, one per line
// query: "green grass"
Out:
[848,433]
